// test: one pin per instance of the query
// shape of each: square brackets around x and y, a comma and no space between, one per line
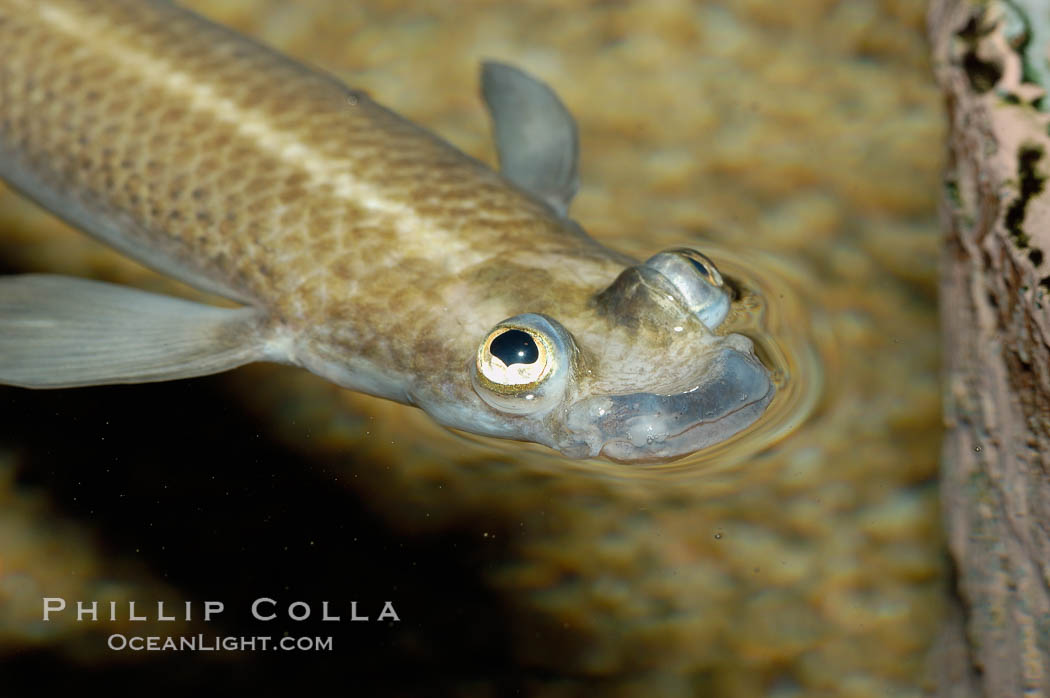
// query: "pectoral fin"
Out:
[58,331]
[535,134]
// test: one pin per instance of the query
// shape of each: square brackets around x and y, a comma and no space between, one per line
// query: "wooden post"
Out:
[992,63]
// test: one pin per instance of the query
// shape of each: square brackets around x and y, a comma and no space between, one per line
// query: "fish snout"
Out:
[732,392]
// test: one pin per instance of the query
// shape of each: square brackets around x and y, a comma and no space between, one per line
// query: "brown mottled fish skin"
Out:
[279,184]
[381,255]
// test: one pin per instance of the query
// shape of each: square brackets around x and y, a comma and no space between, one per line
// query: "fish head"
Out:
[637,375]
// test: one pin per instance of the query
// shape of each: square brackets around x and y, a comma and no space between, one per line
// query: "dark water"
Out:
[186,486]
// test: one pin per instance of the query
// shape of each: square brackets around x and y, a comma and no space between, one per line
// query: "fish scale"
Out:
[364,248]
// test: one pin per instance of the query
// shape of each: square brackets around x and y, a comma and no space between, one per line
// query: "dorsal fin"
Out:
[535,134]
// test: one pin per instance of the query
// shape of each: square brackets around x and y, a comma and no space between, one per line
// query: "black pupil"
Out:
[515,347]
[700,265]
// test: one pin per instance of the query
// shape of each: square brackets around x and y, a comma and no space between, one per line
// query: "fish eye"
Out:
[512,356]
[523,363]
[702,263]
[515,347]
[698,281]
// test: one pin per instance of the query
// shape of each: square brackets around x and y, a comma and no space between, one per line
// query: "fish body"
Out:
[359,245]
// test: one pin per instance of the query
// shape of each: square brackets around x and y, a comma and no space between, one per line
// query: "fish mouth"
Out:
[732,394]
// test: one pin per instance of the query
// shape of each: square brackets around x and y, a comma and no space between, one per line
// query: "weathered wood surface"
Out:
[990,58]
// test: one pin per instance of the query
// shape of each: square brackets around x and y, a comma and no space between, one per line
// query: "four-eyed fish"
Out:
[361,247]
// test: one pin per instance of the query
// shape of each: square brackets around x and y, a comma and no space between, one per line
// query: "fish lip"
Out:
[732,392]
[675,446]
